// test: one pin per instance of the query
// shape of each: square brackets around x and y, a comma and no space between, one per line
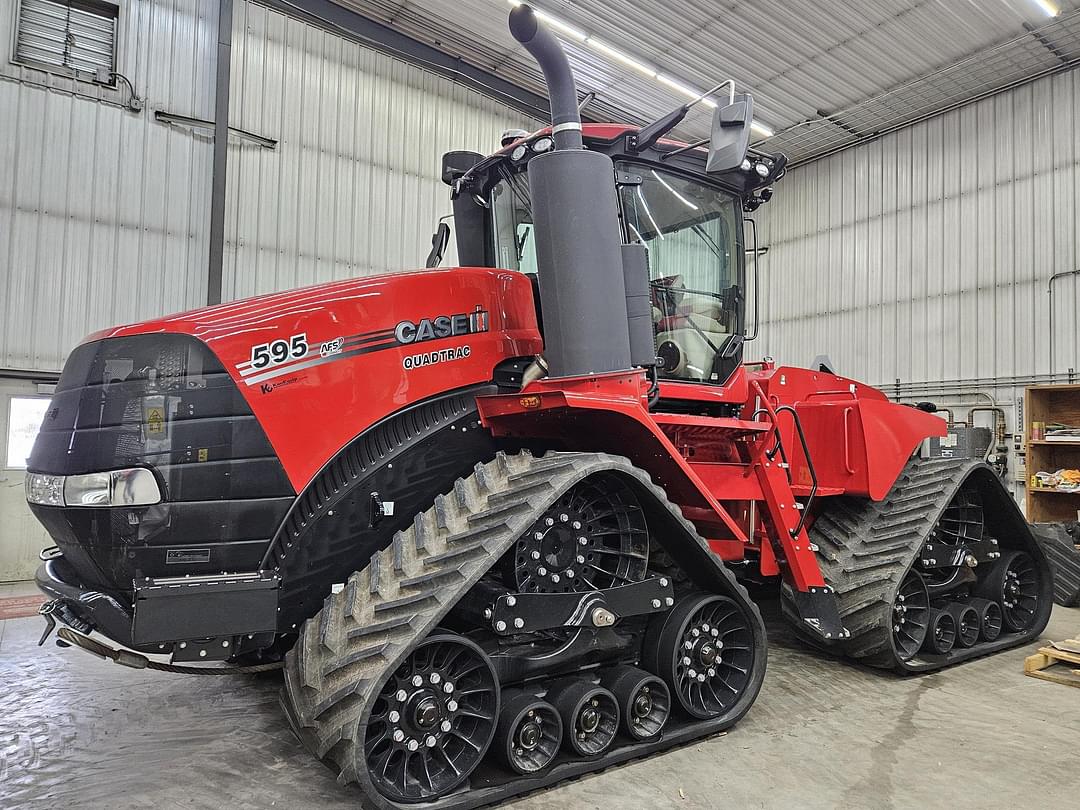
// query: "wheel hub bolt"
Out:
[569,573]
[413,745]
[555,578]
[427,713]
[695,632]
[519,623]
[399,735]
[642,704]
[401,695]
[584,541]
[536,554]
[590,720]
[692,673]
[529,735]
[435,676]
[448,687]
[701,677]
[686,661]
[576,525]
[538,536]
[542,571]
[714,632]
[417,680]
[394,717]
[712,672]
[549,521]
[430,742]
[446,725]
[564,517]
[580,559]
[451,705]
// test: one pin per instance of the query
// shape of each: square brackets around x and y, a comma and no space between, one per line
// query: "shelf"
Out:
[1051,491]
[1044,443]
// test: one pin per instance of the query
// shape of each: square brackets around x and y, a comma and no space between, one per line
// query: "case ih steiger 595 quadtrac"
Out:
[491,516]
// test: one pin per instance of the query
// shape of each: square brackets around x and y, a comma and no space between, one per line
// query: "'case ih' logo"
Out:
[443,326]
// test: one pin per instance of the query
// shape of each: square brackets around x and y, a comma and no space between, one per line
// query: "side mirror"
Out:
[439,240]
[730,134]
[455,164]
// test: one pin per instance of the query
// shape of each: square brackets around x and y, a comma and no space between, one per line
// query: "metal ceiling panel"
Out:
[825,74]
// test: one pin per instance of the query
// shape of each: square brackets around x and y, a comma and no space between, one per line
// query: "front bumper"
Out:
[102,612]
[223,614]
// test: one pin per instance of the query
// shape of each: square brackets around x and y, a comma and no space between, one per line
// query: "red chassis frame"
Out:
[746,498]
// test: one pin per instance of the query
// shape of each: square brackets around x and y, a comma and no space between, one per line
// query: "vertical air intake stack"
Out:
[579,249]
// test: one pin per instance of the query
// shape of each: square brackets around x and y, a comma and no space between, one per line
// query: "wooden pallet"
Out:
[1058,663]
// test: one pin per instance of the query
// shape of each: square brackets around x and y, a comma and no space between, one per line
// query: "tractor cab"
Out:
[689,220]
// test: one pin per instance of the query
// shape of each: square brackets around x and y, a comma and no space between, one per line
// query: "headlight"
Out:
[47,490]
[134,487]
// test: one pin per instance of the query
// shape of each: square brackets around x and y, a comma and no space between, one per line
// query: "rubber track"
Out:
[865,548]
[345,653]
[1064,559]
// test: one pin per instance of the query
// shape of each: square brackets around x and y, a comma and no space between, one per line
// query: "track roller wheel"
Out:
[989,618]
[590,716]
[433,720]
[940,633]
[910,616]
[1013,583]
[644,700]
[703,649]
[967,623]
[529,733]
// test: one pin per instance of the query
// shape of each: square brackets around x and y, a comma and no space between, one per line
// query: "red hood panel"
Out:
[320,364]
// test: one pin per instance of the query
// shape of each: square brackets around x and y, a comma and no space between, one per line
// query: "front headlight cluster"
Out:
[133,487]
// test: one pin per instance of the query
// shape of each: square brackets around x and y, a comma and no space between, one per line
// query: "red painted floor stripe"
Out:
[19,607]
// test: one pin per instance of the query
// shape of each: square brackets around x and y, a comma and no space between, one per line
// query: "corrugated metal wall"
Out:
[353,187]
[925,255]
[103,212]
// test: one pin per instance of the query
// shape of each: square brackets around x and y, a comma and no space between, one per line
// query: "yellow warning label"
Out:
[155,421]
[204,454]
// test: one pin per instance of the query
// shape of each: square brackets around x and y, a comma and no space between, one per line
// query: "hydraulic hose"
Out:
[546,50]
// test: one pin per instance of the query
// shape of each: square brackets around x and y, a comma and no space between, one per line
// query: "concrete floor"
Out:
[76,732]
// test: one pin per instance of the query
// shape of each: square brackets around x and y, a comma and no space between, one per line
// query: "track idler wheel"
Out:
[989,618]
[1013,583]
[590,716]
[967,623]
[703,649]
[529,733]
[644,700]
[940,632]
[433,720]
[910,613]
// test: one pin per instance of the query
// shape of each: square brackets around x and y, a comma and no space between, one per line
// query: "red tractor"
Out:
[492,517]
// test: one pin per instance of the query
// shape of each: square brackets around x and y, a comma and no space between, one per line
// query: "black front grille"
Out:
[161,401]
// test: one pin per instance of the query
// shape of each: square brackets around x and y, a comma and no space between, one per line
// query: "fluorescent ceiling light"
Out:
[1045,6]
[618,56]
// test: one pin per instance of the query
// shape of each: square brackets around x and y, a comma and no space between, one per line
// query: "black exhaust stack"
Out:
[579,250]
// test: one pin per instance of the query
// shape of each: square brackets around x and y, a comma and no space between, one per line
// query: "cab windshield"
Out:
[692,235]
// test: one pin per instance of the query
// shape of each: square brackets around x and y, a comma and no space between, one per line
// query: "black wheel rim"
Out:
[910,616]
[534,734]
[1019,591]
[990,621]
[941,634]
[646,710]
[967,627]
[710,653]
[961,523]
[593,537]
[433,720]
[595,722]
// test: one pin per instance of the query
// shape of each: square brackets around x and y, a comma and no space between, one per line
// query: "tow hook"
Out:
[46,612]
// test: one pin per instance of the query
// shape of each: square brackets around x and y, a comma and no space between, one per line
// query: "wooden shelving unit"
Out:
[1051,403]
